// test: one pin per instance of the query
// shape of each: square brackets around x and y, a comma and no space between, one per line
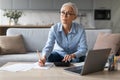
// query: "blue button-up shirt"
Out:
[74,42]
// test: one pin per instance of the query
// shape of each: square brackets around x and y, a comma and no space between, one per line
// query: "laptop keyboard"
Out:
[76,69]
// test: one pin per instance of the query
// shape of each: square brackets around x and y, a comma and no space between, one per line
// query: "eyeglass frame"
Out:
[66,13]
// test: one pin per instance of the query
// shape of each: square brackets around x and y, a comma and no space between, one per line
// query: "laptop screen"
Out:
[96,58]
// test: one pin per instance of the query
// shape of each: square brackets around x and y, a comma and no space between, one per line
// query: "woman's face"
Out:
[67,15]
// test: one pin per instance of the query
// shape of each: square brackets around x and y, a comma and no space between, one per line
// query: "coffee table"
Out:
[56,73]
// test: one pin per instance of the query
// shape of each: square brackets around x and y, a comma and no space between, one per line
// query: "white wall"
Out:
[115,16]
[36,17]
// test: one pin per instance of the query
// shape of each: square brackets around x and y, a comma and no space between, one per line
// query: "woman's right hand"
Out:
[42,61]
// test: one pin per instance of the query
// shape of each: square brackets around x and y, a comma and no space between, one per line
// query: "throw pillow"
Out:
[108,40]
[12,44]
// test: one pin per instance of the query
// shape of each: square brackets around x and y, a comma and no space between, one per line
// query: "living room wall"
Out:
[38,17]
[115,22]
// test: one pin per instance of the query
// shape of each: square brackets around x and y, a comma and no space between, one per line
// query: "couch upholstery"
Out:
[35,38]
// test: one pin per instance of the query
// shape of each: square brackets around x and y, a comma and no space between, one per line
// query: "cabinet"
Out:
[57,4]
[103,24]
[20,4]
[5,4]
[81,4]
[41,4]
[14,4]
[44,4]
[102,4]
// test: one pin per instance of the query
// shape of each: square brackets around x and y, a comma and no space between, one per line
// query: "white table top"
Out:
[57,73]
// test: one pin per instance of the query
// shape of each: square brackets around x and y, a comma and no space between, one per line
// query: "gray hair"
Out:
[72,5]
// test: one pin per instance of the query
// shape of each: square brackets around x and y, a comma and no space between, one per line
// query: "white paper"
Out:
[47,66]
[79,64]
[17,67]
[25,67]
[82,64]
[107,64]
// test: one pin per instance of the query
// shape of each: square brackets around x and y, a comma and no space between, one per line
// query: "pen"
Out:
[41,63]
[39,56]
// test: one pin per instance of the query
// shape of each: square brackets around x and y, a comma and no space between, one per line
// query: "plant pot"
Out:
[15,21]
[10,21]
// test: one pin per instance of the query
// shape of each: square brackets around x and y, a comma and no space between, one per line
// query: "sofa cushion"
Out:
[107,40]
[92,34]
[34,38]
[12,44]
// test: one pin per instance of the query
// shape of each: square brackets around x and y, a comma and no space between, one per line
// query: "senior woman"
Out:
[66,39]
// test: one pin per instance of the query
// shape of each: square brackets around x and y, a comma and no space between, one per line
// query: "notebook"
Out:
[95,61]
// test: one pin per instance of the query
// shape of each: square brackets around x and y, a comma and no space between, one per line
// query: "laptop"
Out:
[95,61]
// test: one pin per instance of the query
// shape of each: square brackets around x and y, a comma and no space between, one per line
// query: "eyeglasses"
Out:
[66,13]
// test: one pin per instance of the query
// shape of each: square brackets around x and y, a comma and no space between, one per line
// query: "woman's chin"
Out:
[64,23]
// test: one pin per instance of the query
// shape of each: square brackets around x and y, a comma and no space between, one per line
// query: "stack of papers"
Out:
[79,64]
[82,64]
[25,67]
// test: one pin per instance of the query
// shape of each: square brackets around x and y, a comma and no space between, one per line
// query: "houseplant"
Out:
[13,15]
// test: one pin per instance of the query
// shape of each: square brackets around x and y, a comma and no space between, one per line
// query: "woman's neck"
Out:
[66,28]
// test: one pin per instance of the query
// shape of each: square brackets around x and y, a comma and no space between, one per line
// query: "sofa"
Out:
[35,39]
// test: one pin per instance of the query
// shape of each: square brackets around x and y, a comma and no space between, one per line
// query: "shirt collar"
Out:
[60,28]
[73,29]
